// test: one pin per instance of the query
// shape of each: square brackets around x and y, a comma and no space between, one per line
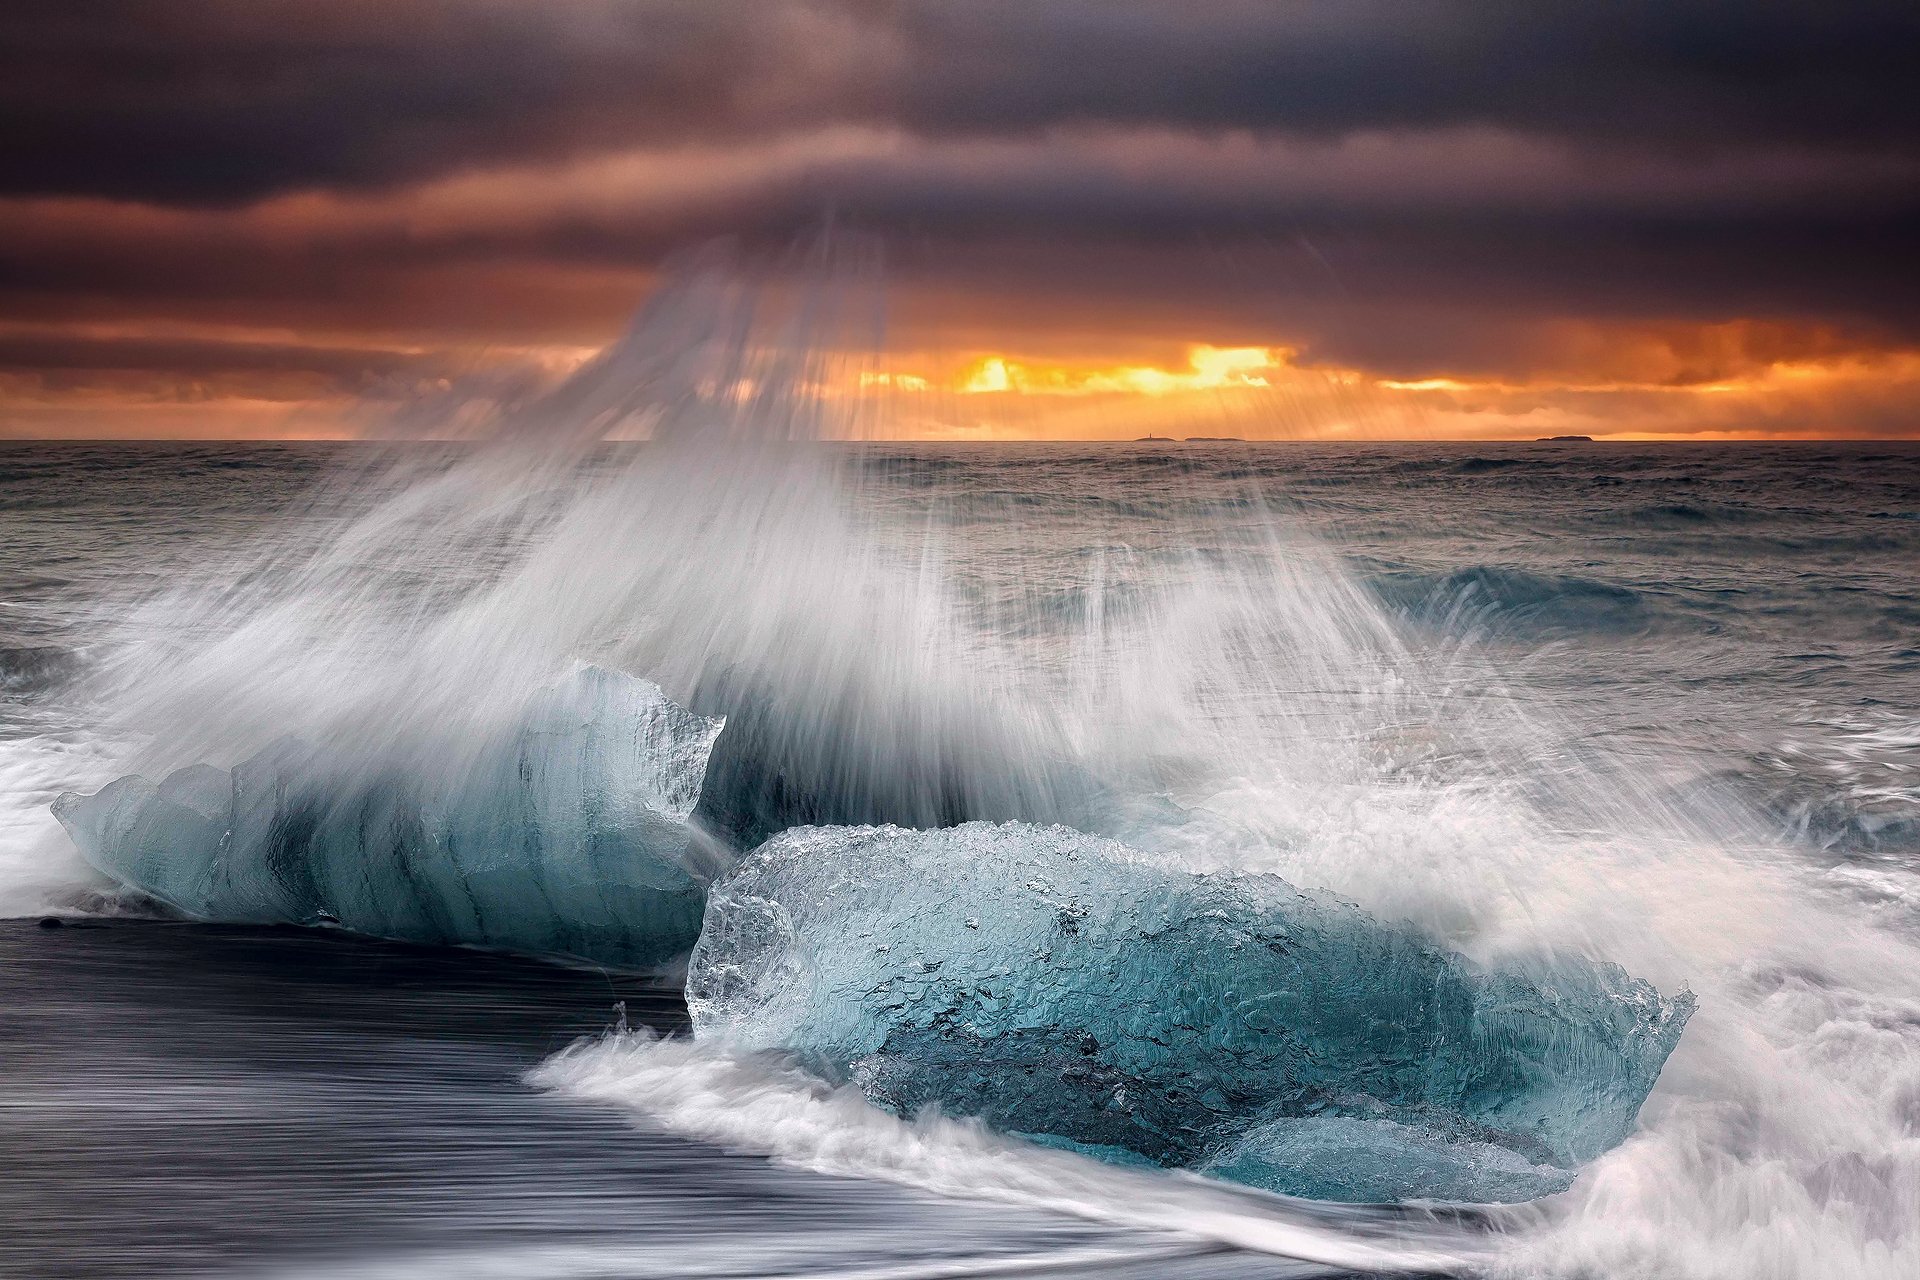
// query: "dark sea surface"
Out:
[1729,633]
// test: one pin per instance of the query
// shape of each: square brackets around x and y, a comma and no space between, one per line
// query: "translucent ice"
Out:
[569,834]
[1059,986]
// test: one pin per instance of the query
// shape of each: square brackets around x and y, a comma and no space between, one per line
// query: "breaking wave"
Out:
[1179,662]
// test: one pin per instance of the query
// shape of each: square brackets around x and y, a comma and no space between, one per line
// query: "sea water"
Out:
[1651,706]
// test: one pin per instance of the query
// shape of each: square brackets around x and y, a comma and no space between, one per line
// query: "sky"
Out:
[1099,218]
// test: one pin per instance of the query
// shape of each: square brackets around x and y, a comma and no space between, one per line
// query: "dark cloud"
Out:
[225,100]
[1363,256]
[1688,73]
[193,358]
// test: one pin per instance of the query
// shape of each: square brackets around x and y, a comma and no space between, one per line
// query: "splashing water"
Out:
[751,1103]
[899,641]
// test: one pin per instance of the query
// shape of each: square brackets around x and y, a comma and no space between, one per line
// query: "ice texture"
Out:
[1060,986]
[569,834]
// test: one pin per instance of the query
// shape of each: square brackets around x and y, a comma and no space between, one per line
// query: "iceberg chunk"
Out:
[1060,986]
[864,754]
[569,835]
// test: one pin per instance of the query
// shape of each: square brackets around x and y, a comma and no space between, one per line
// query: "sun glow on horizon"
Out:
[1209,368]
[1717,383]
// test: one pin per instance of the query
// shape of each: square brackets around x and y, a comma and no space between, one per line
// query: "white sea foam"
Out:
[40,871]
[748,1103]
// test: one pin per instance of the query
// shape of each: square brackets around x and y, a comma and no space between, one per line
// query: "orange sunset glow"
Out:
[1634,390]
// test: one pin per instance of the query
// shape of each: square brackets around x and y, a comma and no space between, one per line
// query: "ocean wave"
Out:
[1479,466]
[1290,715]
[37,669]
[567,834]
[1513,602]
[1690,516]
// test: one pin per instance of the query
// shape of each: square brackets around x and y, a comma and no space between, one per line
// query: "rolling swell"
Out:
[1514,602]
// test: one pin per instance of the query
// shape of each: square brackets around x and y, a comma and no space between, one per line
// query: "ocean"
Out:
[1654,704]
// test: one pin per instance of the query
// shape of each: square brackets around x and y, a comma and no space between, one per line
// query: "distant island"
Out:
[1153,440]
[1557,439]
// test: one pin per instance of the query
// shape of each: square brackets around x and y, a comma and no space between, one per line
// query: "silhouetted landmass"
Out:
[1153,440]
[1556,439]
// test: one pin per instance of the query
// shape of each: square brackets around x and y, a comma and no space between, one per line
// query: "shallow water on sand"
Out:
[205,1100]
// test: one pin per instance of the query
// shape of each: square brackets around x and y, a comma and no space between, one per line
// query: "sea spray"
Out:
[1149,620]
[571,836]
[672,510]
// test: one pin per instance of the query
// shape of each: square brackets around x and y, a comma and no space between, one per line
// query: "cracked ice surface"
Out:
[1059,986]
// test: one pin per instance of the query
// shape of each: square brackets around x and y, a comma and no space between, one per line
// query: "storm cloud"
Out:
[1405,188]
[237,99]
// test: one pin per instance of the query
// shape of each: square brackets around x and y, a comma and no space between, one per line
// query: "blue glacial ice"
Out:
[570,834]
[1059,986]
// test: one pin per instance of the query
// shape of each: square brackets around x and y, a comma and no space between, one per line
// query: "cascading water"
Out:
[1165,658]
